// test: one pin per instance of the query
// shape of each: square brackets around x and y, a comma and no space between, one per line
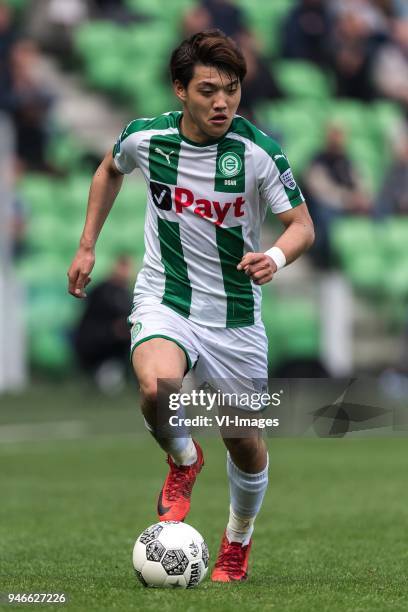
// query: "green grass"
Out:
[331,534]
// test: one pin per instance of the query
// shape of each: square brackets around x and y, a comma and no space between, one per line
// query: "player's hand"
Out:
[79,271]
[258,266]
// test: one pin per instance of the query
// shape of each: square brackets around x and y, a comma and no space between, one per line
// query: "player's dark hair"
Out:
[211,48]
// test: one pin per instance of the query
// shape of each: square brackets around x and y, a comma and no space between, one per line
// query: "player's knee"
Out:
[242,447]
[148,389]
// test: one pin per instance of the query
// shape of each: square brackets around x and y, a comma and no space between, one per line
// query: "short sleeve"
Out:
[278,187]
[124,153]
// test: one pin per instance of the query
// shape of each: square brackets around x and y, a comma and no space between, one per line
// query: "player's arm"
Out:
[105,186]
[295,240]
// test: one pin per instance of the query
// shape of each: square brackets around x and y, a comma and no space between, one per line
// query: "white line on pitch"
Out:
[49,430]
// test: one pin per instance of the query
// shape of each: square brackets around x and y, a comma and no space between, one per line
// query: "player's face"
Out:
[210,102]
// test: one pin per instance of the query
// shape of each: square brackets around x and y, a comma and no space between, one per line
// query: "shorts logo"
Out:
[135,331]
[288,180]
[116,148]
[230,164]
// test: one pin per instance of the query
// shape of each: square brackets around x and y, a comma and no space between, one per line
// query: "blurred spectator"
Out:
[393,196]
[391,8]
[400,8]
[306,32]
[8,34]
[51,23]
[68,13]
[390,69]
[101,340]
[18,227]
[209,14]
[333,189]
[28,103]
[115,10]
[259,83]
[357,35]
[374,13]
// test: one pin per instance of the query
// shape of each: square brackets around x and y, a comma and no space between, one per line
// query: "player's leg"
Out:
[160,365]
[247,469]
[238,362]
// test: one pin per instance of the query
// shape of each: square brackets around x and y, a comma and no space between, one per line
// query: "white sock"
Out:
[239,529]
[181,449]
[246,493]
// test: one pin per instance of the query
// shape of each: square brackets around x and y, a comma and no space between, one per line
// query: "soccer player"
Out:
[210,176]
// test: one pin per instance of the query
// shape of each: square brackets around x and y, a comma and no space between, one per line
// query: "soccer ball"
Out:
[170,554]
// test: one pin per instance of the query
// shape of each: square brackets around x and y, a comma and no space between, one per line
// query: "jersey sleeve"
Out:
[124,153]
[277,185]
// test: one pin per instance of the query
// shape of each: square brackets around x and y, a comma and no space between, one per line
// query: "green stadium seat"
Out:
[388,116]
[172,12]
[294,118]
[353,236]
[297,325]
[39,192]
[396,280]
[265,20]
[394,239]
[162,99]
[49,310]
[367,271]
[103,263]
[368,158]
[150,41]
[302,79]
[65,152]
[95,38]
[292,327]
[51,351]
[356,117]
[107,72]
[301,151]
[44,232]
[124,237]
[75,194]
[42,265]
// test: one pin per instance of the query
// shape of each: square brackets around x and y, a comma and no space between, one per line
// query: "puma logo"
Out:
[278,156]
[166,155]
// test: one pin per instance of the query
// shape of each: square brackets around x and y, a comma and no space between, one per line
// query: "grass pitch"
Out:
[79,480]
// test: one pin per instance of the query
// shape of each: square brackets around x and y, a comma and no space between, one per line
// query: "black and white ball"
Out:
[170,554]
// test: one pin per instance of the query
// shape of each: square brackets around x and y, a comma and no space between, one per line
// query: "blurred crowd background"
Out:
[327,78]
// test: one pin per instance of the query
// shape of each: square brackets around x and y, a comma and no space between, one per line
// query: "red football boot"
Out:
[174,499]
[232,561]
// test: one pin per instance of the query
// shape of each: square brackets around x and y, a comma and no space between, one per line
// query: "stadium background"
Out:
[93,66]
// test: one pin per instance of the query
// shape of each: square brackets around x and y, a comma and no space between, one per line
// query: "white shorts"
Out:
[232,358]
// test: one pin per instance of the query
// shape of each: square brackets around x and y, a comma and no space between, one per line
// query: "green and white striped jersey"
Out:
[205,207]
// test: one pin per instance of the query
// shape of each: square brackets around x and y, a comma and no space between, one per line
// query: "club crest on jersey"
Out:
[230,164]
[287,179]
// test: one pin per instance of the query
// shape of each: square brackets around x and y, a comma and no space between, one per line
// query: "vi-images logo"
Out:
[230,164]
